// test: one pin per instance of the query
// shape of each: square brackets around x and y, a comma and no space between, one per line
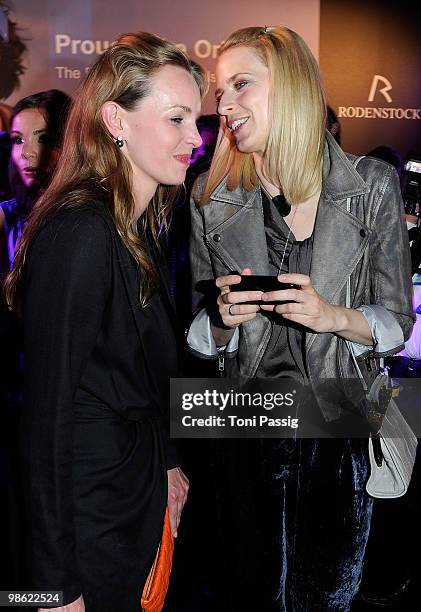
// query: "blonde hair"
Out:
[91,162]
[293,158]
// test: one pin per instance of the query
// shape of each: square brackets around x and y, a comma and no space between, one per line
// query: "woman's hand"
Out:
[178,488]
[231,311]
[308,307]
[75,606]
[315,313]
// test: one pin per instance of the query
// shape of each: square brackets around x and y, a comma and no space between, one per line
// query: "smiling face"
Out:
[31,152]
[160,135]
[242,91]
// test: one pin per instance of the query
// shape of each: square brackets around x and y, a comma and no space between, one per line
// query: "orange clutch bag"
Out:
[156,586]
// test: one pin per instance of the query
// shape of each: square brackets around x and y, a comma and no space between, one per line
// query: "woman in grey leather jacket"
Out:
[282,196]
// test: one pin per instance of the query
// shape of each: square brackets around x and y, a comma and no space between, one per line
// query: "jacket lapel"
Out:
[339,236]
[338,244]
[234,229]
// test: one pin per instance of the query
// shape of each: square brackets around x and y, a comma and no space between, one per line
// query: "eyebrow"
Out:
[186,109]
[218,92]
[36,131]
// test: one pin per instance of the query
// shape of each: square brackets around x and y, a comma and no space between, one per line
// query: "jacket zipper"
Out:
[221,361]
[368,360]
[221,351]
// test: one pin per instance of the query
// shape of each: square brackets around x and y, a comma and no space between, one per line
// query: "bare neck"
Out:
[143,190]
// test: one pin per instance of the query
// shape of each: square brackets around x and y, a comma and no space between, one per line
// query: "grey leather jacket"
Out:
[368,245]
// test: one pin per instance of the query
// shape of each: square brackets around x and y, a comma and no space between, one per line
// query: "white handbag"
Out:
[393,449]
[390,476]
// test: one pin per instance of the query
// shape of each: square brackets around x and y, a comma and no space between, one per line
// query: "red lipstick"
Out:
[184,159]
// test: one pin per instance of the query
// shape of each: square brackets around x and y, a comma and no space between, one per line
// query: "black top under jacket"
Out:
[95,452]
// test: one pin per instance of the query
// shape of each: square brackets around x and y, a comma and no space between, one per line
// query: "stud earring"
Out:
[119,141]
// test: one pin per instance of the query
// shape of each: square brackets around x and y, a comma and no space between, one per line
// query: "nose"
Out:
[225,103]
[195,138]
[28,151]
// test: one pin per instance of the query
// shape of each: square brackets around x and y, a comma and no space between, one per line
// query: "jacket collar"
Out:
[238,196]
[340,180]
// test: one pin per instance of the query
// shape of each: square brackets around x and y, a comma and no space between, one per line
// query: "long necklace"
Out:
[284,208]
[286,243]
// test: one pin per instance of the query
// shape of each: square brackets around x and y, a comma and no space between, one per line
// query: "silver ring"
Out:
[229,310]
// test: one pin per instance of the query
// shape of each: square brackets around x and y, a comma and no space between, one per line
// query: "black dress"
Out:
[95,451]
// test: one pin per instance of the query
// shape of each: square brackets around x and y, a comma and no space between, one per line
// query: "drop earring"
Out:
[119,141]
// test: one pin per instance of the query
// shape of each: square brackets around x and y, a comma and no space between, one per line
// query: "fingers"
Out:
[76,606]
[312,312]
[295,308]
[289,295]
[231,279]
[296,279]
[267,307]
[178,487]
[233,314]
[232,309]
[283,295]
[290,308]
[235,297]
[228,280]
[307,305]
[185,485]
[172,511]
[235,309]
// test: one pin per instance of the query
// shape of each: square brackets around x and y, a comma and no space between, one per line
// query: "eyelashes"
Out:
[237,86]
[44,139]
[240,84]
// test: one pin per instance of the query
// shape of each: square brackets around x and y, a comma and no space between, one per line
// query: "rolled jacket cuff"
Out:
[201,341]
[385,330]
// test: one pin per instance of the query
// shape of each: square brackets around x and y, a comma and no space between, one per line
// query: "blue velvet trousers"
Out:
[294,521]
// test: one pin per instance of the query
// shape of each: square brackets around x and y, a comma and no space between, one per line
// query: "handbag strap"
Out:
[348,302]
[348,296]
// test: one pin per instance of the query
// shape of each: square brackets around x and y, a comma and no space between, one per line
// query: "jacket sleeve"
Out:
[65,293]
[200,263]
[199,337]
[389,313]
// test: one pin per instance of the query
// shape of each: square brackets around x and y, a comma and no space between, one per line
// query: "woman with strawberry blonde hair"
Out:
[100,340]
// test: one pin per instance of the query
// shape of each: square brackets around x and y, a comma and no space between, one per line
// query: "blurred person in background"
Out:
[29,155]
[36,133]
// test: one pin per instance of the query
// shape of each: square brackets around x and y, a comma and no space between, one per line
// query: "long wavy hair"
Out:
[293,158]
[91,162]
